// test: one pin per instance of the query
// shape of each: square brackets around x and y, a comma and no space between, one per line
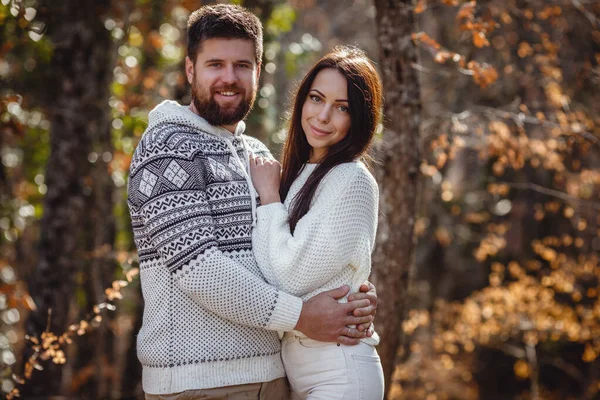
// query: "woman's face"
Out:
[325,115]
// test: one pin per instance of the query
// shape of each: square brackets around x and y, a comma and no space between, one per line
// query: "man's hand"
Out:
[324,319]
[366,291]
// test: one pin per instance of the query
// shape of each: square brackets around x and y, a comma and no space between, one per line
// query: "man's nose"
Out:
[229,76]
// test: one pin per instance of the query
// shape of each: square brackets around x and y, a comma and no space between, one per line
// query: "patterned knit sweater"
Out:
[331,245]
[210,319]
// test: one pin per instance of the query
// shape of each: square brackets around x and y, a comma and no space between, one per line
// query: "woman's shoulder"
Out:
[347,180]
[352,172]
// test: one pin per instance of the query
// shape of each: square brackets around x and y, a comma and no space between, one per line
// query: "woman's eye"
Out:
[314,98]
[343,109]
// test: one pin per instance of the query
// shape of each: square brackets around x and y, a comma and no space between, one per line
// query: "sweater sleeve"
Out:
[172,203]
[338,230]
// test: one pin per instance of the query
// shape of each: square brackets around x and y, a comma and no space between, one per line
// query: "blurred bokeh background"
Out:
[503,296]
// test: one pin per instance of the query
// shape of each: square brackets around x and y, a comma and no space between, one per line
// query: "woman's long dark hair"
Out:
[364,104]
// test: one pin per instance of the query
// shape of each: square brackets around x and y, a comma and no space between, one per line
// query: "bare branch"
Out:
[528,119]
[566,367]
[591,17]
[511,350]
[421,68]
[533,364]
[551,192]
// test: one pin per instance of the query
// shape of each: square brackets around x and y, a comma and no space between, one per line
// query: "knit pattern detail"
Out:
[331,245]
[207,309]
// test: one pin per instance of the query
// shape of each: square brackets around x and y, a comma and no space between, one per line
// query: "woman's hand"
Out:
[367,291]
[266,176]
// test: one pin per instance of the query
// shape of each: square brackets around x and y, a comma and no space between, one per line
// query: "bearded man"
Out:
[210,320]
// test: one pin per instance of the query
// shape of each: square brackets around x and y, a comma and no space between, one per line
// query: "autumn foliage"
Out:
[513,190]
[505,298]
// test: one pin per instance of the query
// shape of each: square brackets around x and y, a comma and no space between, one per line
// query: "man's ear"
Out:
[189,70]
[258,73]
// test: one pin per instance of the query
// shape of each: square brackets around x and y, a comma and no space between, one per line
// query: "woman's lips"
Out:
[318,132]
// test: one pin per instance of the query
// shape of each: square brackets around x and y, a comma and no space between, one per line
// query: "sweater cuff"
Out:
[286,313]
[270,210]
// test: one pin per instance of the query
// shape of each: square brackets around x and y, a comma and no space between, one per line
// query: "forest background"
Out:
[487,256]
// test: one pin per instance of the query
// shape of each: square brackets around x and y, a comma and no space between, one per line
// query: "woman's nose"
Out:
[324,114]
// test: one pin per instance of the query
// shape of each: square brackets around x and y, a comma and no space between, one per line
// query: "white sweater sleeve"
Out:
[338,230]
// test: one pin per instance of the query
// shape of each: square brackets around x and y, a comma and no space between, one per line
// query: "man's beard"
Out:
[216,115]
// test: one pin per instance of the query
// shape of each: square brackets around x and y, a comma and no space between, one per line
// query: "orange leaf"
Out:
[467,10]
[484,75]
[132,273]
[420,7]
[442,56]
[426,40]
[479,39]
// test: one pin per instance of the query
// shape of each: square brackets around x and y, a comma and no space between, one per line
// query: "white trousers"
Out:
[326,371]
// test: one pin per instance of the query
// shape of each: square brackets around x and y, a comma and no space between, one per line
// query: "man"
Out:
[210,321]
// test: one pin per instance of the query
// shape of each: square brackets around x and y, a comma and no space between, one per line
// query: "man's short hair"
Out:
[223,21]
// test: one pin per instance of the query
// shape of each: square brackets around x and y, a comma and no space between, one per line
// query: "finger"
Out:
[339,293]
[363,327]
[372,297]
[347,341]
[360,296]
[365,287]
[352,320]
[352,305]
[370,331]
[353,333]
[360,312]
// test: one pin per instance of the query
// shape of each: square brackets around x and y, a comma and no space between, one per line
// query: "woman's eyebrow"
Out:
[322,95]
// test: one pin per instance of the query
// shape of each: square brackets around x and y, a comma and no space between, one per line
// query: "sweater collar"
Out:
[170,111]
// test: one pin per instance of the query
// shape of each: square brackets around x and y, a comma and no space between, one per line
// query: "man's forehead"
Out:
[227,49]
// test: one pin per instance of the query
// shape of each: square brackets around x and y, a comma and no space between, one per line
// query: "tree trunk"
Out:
[397,175]
[78,83]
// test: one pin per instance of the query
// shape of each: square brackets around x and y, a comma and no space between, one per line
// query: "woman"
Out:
[322,235]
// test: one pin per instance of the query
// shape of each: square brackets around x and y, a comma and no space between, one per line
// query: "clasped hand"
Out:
[266,177]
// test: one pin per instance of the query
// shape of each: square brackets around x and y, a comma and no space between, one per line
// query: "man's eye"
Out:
[214,64]
[244,66]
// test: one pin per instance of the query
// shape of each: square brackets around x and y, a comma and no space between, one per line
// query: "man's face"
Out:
[224,80]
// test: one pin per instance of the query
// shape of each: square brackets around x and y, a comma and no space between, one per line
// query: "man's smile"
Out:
[227,93]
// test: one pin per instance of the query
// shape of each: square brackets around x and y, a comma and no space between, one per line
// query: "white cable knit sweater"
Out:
[331,245]
[210,319]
